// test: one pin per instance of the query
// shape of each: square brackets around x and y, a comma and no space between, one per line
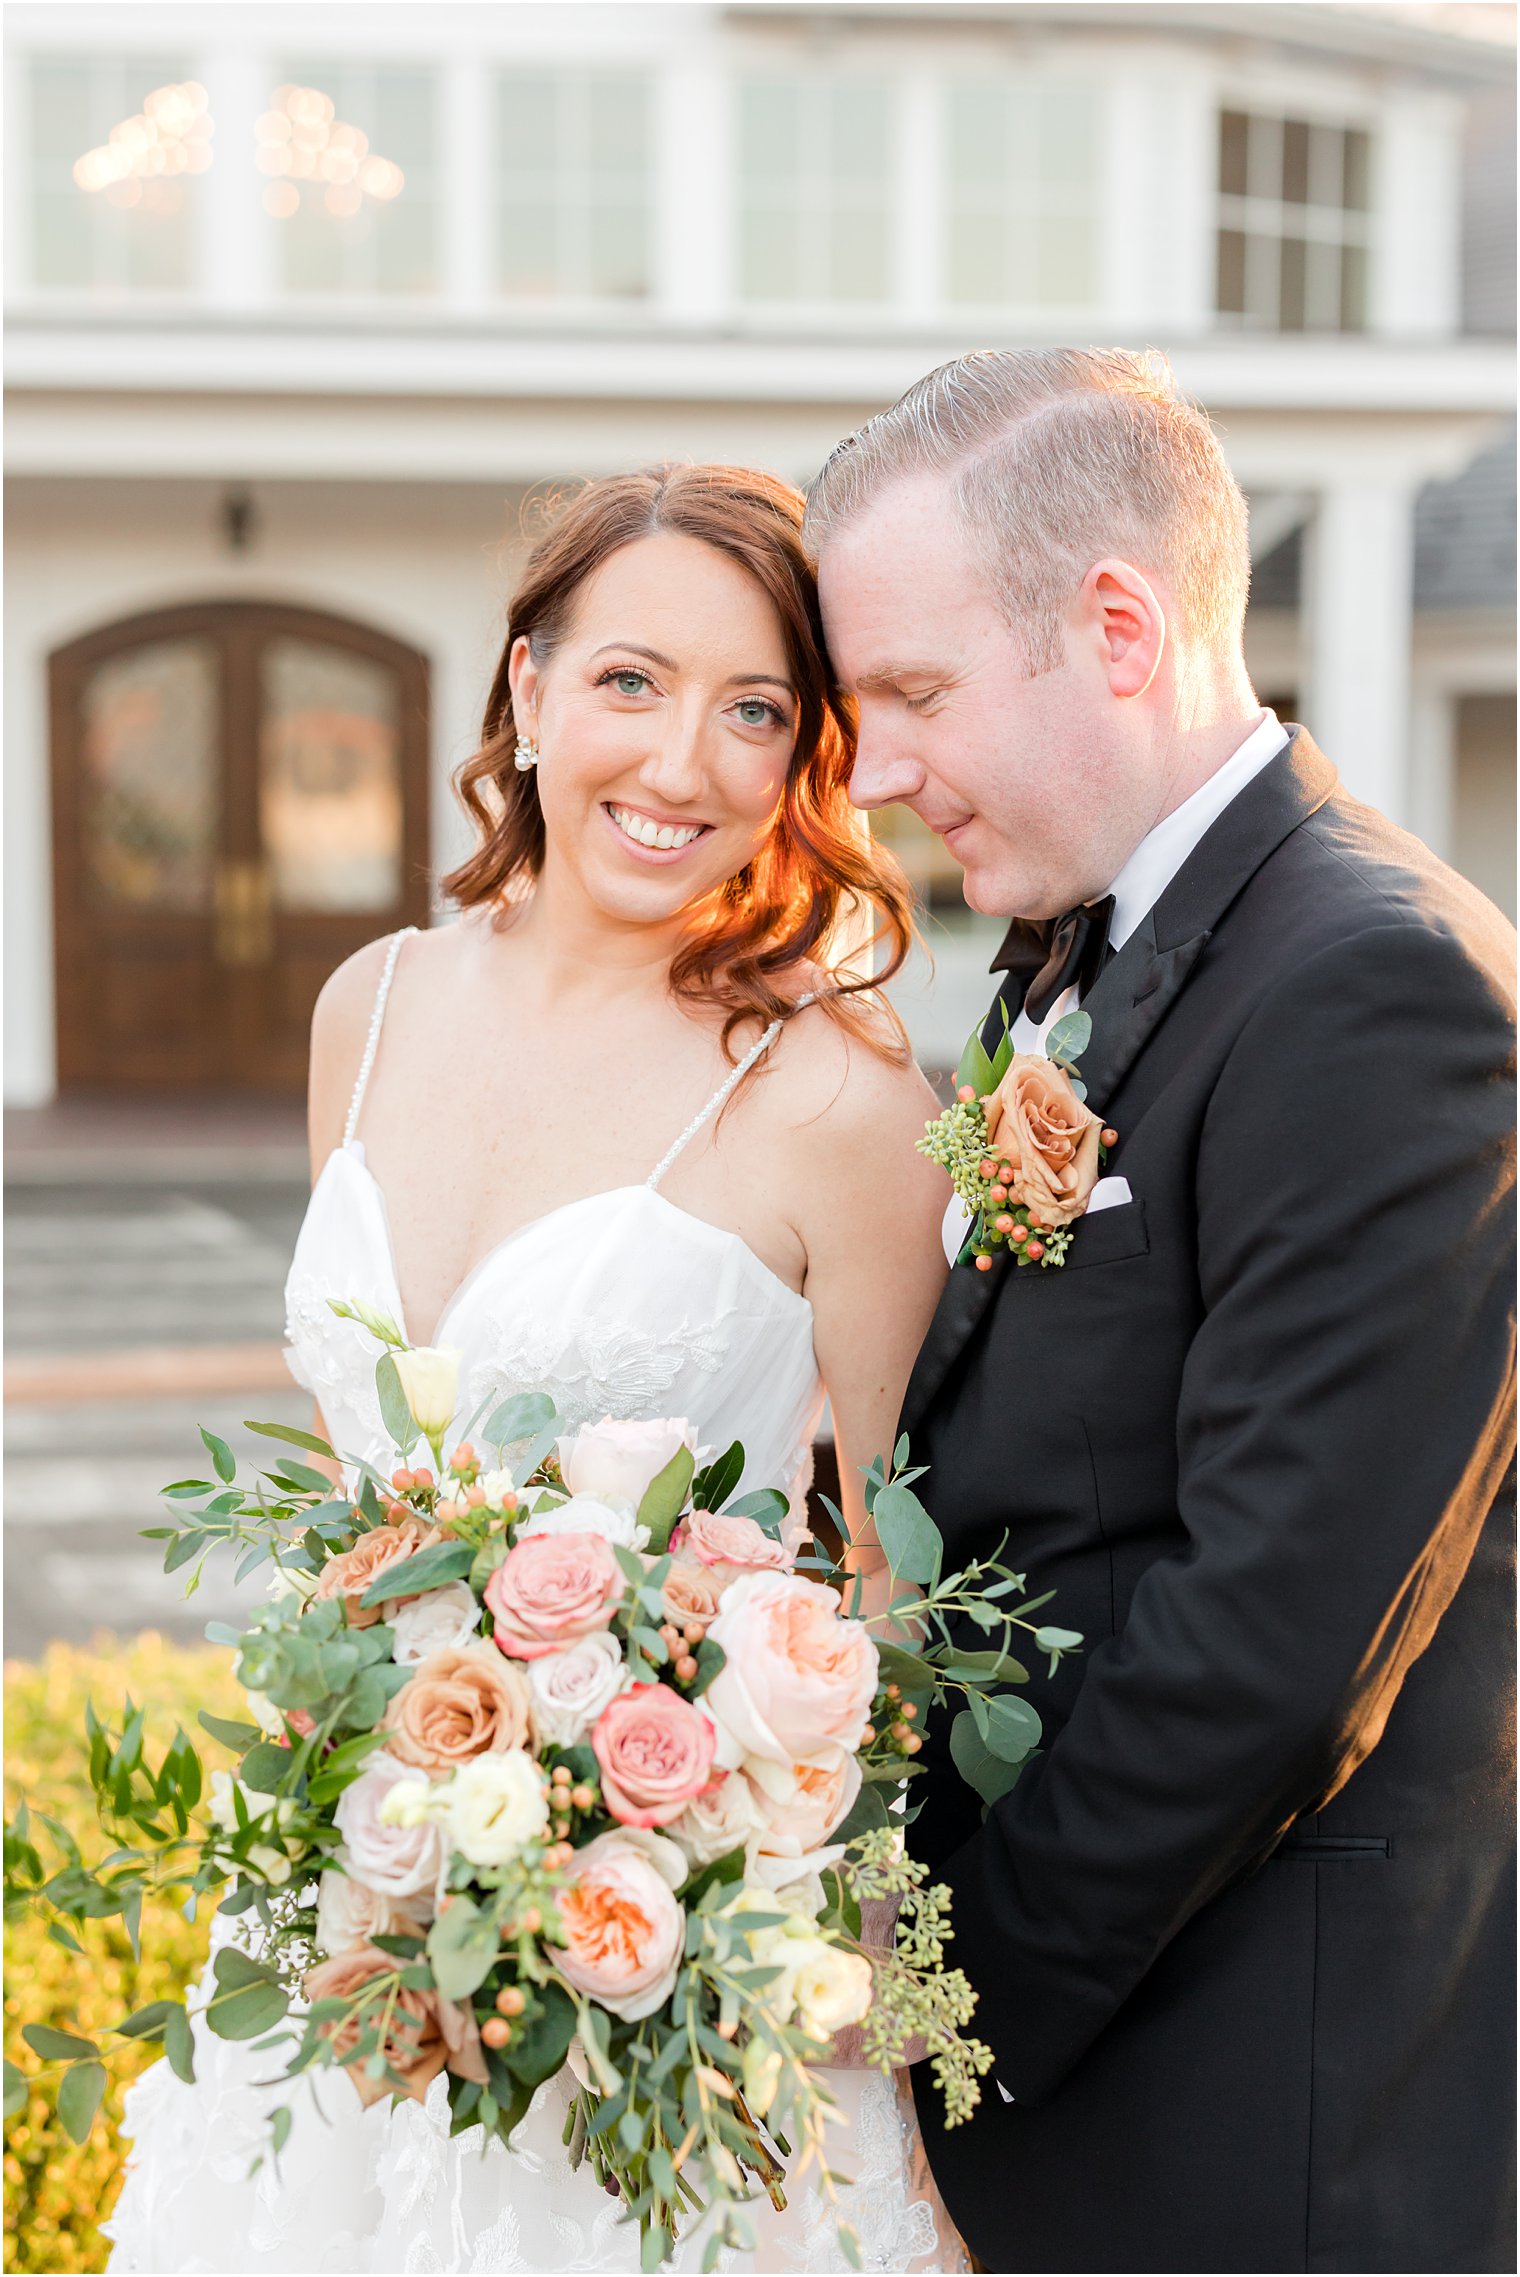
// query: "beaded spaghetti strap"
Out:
[723,1092]
[376,1021]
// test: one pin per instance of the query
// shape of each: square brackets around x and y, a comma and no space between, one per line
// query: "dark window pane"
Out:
[1233,130]
[1354,289]
[1230,288]
[1358,156]
[1295,188]
[1291,285]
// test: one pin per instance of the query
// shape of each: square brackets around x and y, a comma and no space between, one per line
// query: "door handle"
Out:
[244,914]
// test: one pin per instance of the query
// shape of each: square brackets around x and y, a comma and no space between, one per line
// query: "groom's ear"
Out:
[1129,623]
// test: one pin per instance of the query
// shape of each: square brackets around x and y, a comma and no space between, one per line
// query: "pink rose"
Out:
[798,1679]
[729,1545]
[656,1754]
[624,1931]
[550,1590]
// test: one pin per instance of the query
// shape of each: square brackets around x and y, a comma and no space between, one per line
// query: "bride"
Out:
[632,1133]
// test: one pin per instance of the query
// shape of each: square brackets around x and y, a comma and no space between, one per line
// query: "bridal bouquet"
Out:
[559,1756]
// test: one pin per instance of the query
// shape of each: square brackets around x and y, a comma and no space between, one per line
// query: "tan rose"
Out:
[691,1593]
[1036,1123]
[462,1702]
[350,1573]
[415,2047]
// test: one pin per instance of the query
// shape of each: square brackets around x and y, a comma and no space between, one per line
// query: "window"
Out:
[350,152]
[1022,215]
[118,146]
[814,188]
[1293,224]
[573,201]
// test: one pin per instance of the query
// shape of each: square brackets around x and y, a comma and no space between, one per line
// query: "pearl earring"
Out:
[525,757]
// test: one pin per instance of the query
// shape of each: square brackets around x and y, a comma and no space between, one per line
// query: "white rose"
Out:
[430,1385]
[493,1806]
[394,1861]
[831,1986]
[587,1514]
[437,1621]
[568,1690]
[618,1461]
[349,1915]
[726,1818]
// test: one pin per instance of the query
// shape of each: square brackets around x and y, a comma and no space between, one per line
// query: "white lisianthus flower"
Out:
[266,1715]
[437,1621]
[349,1914]
[406,1803]
[492,1807]
[430,1384]
[586,1514]
[568,1690]
[830,1985]
[618,1461]
[497,1485]
[726,1818]
[288,1581]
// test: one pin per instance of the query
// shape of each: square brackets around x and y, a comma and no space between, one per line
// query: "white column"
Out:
[918,221]
[469,205]
[1358,610]
[694,162]
[1415,284]
[235,240]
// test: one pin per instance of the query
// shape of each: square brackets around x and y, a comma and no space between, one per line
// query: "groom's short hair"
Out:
[1059,456]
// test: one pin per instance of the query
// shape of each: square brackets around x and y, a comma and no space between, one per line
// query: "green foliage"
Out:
[664,1499]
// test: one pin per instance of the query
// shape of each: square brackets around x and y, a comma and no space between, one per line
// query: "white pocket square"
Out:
[953,1227]
[1108,1194]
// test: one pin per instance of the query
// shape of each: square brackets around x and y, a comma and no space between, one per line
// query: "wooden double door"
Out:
[239,802]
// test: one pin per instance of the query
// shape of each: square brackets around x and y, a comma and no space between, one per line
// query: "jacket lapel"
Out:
[1129,1000]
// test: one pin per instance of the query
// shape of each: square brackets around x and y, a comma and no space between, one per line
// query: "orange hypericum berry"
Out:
[686,1668]
[1019,1233]
[868,1736]
[997,1194]
[1004,1224]
[509,2001]
[1036,1249]
[1108,1137]
[582,1797]
[909,1710]
[496,2031]
[987,1169]
[966,1094]
[532,1922]
[402,1481]
[984,1264]
[1005,1172]
[464,1458]
[913,1742]
[422,1478]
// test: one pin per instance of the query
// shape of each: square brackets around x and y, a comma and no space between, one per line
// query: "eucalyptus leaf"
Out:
[79,2094]
[292,1437]
[524,1416]
[1069,1038]
[1013,1727]
[17,2089]
[52,2045]
[990,1774]
[462,1946]
[395,1409]
[221,1455]
[908,1535]
[664,1499]
[424,1569]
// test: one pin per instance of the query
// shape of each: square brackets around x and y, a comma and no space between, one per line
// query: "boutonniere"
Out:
[1023,1150]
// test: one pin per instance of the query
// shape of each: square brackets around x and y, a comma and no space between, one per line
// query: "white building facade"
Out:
[306,304]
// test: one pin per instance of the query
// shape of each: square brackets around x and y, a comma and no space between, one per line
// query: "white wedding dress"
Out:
[632,1308]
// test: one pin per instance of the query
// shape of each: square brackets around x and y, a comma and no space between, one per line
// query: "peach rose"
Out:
[801,1804]
[426,2032]
[1036,1123]
[691,1593]
[624,1931]
[550,1590]
[656,1754]
[463,1701]
[350,1573]
[798,1679]
[728,1546]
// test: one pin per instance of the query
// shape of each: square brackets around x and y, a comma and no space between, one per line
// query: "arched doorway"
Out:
[239,801]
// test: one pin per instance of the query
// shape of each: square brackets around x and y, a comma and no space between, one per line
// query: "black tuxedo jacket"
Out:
[1243,1931]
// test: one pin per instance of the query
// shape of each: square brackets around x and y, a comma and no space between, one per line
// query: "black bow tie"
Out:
[1051,953]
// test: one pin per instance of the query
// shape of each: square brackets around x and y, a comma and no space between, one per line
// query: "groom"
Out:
[1242,1931]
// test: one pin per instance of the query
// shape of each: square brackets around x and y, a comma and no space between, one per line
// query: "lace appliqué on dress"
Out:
[596,1368]
[332,1359]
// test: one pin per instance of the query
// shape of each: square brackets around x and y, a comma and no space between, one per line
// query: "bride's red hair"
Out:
[817,876]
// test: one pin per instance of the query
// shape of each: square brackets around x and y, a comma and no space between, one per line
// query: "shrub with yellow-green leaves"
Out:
[56,2191]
